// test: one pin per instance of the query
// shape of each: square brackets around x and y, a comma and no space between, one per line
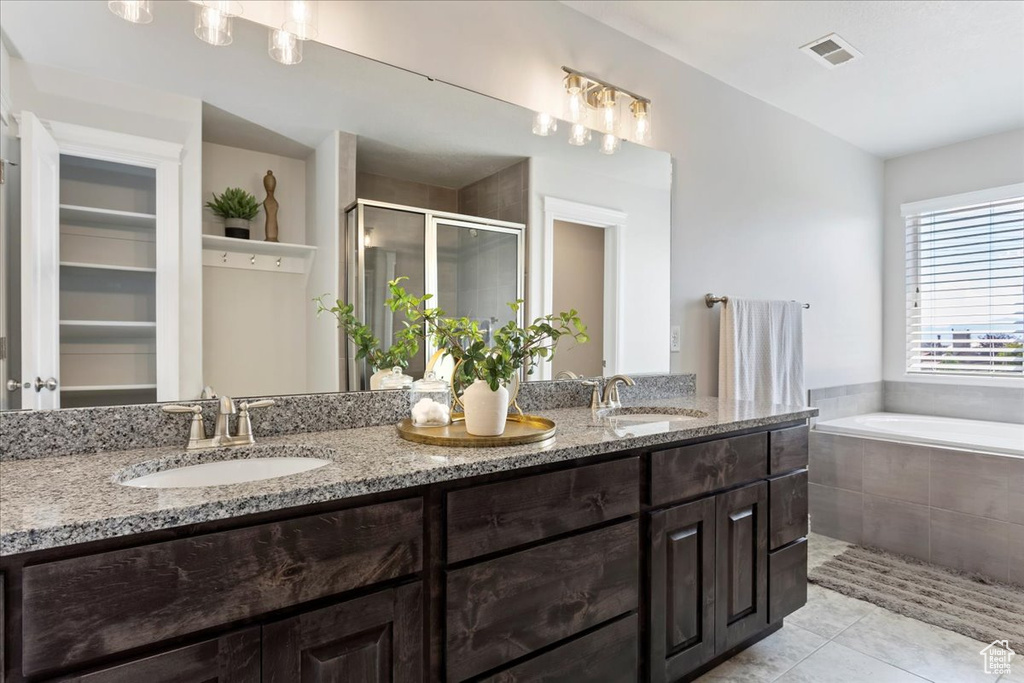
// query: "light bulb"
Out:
[213,26]
[609,143]
[135,11]
[576,104]
[579,135]
[284,47]
[544,124]
[609,111]
[641,120]
[300,19]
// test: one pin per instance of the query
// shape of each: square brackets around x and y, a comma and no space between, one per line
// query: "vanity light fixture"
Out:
[586,94]
[135,11]
[213,21]
[544,124]
[300,24]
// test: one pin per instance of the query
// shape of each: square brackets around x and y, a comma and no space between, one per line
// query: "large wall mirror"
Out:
[121,286]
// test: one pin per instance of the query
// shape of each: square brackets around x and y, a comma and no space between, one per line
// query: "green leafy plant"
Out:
[514,347]
[234,202]
[405,346]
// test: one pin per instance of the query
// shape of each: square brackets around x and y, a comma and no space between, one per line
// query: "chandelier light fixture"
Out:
[592,104]
[213,21]
[300,24]
[135,11]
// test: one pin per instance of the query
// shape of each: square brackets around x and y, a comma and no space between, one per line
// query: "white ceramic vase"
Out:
[486,410]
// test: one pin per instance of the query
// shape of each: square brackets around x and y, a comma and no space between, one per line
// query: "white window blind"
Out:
[965,290]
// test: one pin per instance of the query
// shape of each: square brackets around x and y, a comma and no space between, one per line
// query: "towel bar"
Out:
[711,300]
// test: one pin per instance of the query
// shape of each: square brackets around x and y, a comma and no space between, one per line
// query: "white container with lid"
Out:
[430,402]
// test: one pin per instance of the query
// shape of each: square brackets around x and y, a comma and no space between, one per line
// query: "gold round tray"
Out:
[520,429]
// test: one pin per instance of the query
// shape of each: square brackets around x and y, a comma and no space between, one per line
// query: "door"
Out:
[579,283]
[40,229]
[374,639]
[234,658]
[682,616]
[741,564]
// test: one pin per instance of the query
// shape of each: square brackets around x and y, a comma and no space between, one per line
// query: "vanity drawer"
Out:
[787,449]
[486,519]
[689,471]
[608,654]
[79,609]
[787,506]
[511,606]
[787,580]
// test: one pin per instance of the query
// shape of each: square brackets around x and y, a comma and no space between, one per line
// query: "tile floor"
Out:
[837,639]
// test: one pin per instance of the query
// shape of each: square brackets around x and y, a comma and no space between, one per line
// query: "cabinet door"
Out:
[234,658]
[741,565]
[682,616]
[374,639]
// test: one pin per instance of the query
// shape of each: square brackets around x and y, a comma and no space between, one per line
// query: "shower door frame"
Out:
[356,244]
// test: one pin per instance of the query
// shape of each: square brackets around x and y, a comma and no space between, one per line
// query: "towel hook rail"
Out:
[710,300]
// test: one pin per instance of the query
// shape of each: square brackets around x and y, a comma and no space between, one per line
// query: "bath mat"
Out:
[968,604]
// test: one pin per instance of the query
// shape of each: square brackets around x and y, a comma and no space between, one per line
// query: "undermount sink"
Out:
[223,467]
[651,414]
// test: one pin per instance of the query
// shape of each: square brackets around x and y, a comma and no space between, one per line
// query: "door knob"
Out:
[15,385]
[50,384]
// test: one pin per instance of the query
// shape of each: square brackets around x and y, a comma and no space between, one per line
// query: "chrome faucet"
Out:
[222,427]
[610,397]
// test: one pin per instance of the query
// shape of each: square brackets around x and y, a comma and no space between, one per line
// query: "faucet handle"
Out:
[197,430]
[244,423]
[595,394]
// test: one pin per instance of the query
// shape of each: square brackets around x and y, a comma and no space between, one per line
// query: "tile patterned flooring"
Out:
[837,639]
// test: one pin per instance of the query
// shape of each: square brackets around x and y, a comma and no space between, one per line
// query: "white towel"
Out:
[761,352]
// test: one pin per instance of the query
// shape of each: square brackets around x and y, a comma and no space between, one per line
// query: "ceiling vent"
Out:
[831,51]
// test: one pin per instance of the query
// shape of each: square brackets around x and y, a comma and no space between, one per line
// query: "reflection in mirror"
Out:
[134,291]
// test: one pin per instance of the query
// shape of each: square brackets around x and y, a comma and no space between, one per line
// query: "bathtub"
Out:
[948,432]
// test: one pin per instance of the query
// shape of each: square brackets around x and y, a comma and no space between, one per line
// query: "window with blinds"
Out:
[965,290]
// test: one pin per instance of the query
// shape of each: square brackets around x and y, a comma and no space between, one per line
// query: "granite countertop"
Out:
[61,501]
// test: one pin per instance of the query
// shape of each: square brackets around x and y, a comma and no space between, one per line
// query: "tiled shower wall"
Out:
[955,508]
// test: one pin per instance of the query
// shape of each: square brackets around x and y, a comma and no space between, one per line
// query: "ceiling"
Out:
[933,73]
[409,127]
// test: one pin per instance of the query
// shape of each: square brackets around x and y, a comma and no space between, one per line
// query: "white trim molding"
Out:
[956,201]
[614,223]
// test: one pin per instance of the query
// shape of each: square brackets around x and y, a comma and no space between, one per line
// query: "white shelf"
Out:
[229,252]
[79,330]
[109,218]
[103,266]
[110,387]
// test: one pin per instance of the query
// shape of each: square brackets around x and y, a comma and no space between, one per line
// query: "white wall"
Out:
[763,204]
[225,167]
[987,162]
[60,95]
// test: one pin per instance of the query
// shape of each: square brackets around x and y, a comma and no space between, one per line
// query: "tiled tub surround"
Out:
[847,400]
[993,403]
[41,433]
[60,501]
[952,507]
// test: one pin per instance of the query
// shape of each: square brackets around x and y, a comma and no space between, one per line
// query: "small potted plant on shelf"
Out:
[487,371]
[237,207]
[383,362]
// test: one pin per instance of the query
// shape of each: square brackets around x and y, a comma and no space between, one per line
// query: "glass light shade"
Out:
[544,124]
[641,120]
[229,8]
[213,26]
[284,47]
[301,18]
[609,110]
[610,143]
[135,11]
[579,135]
[575,104]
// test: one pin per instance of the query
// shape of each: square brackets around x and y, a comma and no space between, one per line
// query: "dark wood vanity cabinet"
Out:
[641,566]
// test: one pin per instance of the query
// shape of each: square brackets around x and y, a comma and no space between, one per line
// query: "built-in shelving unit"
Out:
[105,266]
[229,252]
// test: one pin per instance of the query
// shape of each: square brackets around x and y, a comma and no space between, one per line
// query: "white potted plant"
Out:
[487,371]
[237,207]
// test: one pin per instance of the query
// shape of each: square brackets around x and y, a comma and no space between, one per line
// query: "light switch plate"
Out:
[675,341]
